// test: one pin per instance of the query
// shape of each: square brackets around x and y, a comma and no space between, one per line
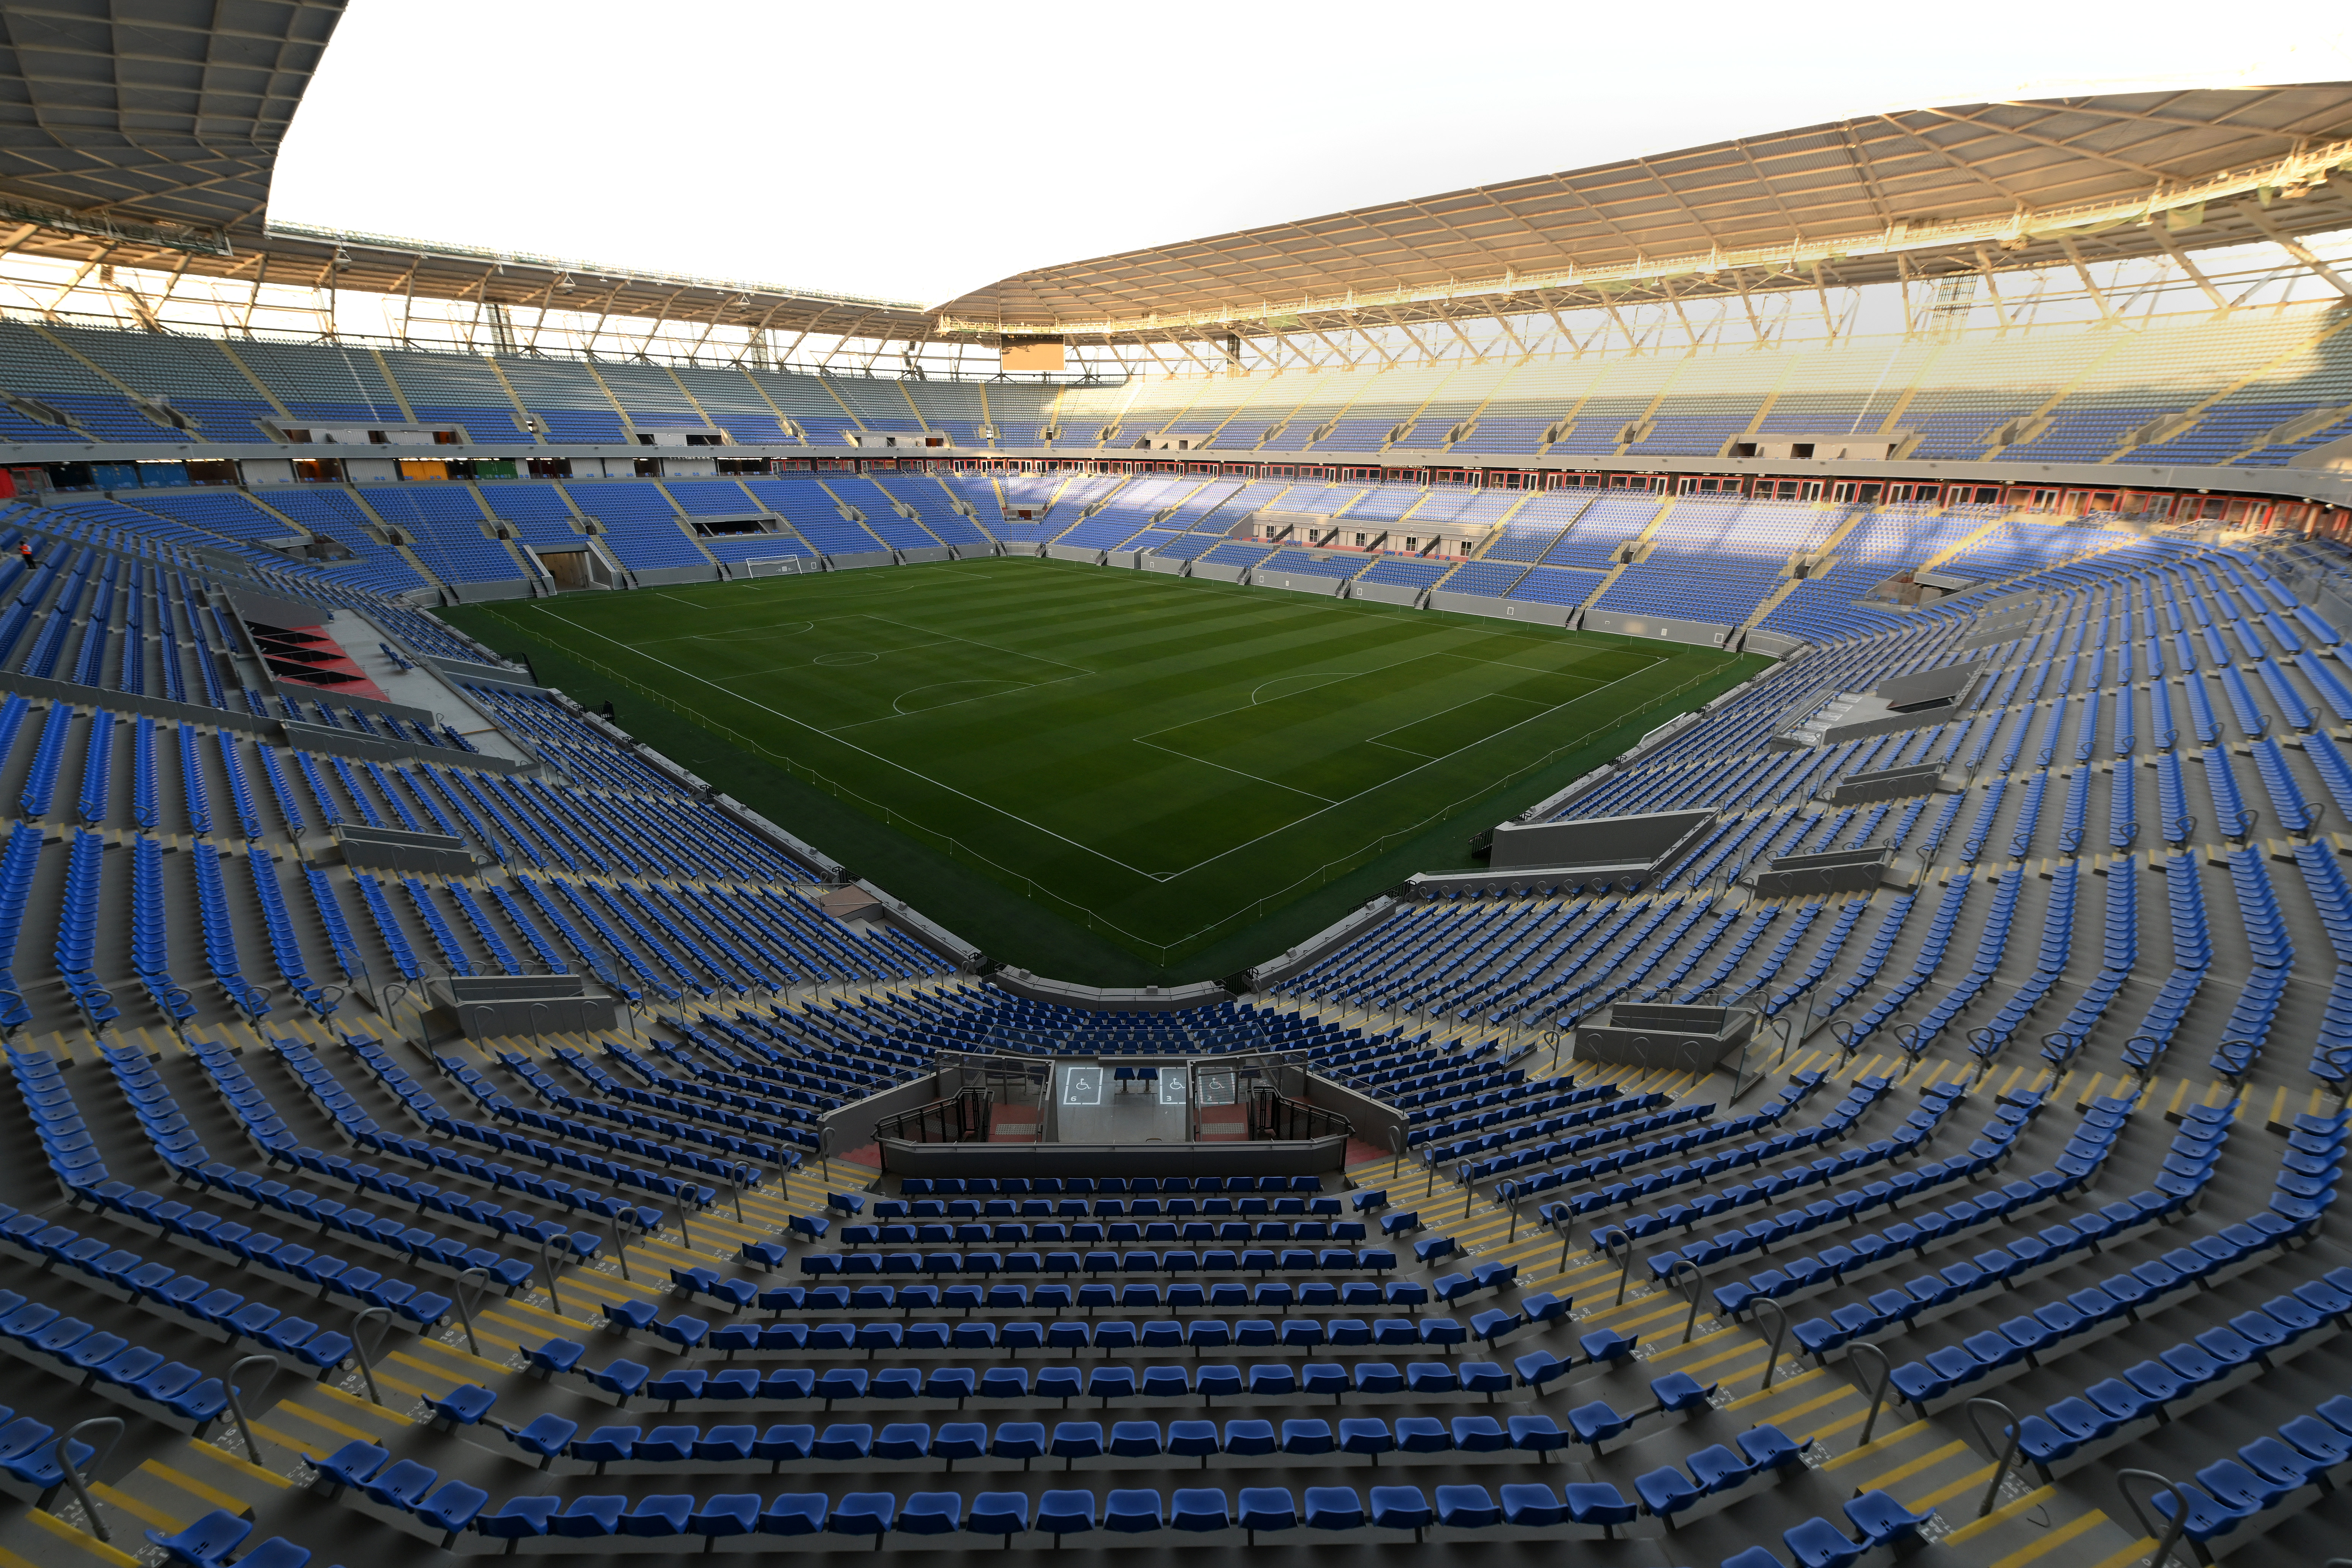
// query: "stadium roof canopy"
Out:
[143,133]
[1919,195]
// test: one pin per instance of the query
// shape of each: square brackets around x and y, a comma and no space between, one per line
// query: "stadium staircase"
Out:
[1825,558]
[1633,550]
[261,388]
[687,392]
[855,421]
[2187,419]
[1657,400]
[523,417]
[384,368]
[2026,426]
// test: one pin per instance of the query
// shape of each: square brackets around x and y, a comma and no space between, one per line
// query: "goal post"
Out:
[779,565]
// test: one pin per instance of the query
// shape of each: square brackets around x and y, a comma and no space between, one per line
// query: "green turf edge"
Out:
[1445,845]
[1004,923]
[968,902]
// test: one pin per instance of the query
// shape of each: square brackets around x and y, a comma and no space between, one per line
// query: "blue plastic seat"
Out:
[930,1513]
[353,1465]
[1883,1521]
[205,1542]
[1599,1503]
[863,1513]
[588,1518]
[453,1507]
[1061,1514]
[1198,1508]
[1666,1491]
[1401,1507]
[1133,1511]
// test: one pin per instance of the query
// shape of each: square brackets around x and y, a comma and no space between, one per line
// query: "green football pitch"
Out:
[1163,763]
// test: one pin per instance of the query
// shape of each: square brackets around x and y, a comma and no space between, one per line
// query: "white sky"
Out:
[918,151]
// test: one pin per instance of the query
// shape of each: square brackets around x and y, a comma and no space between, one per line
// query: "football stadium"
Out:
[1558,764]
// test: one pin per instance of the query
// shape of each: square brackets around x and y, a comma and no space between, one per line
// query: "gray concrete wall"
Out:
[1666,629]
[1385,592]
[495,590]
[1327,587]
[1531,614]
[1238,1158]
[661,575]
[1772,644]
[856,559]
[1343,930]
[1117,998]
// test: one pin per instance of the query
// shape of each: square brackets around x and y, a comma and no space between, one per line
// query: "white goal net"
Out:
[777,565]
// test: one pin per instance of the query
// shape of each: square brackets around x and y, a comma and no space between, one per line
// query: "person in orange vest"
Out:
[25,550]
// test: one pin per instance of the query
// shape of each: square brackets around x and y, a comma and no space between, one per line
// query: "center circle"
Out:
[838,658]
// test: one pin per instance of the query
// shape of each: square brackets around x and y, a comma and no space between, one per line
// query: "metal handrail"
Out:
[1780,1334]
[960,1117]
[393,997]
[620,1247]
[2180,1509]
[1276,1116]
[1611,1239]
[1993,1043]
[465,1313]
[382,1315]
[2008,1455]
[2144,1074]
[1879,1396]
[72,1472]
[547,1269]
[1694,1293]
[236,1402]
[2067,1053]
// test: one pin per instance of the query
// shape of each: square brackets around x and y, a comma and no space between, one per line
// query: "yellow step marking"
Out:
[1798,1380]
[1831,1397]
[2054,1539]
[1975,1479]
[326,1423]
[72,1537]
[377,1411]
[1751,1348]
[2003,1514]
[1883,1441]
[1612,1318]
[145,1512]
[489,1368]
[237,1467]
[1906,1471]
[1699,1342]
[2130,1554]
[212,1496]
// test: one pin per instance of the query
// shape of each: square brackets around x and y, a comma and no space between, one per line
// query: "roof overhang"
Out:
[1915,194]
[145,137]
